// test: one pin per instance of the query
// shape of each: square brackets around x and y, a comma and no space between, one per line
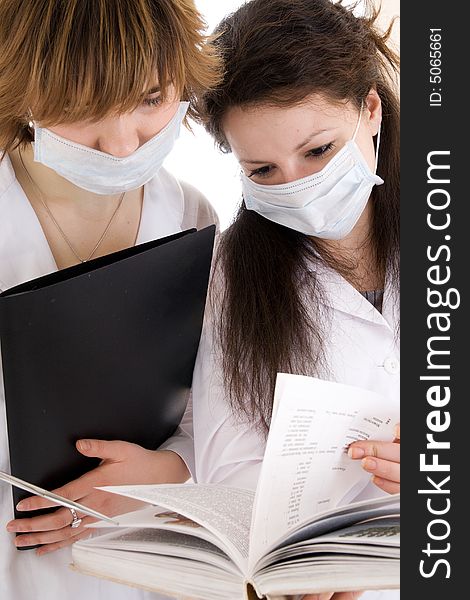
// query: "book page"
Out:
[306,468]
[359,538]
[151,517]
[161,562]
[328,524]
[225,512]
[165,543]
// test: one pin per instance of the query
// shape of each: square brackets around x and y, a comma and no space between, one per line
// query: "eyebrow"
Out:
[299,147]
[153,90]
[310,137]
[254,162]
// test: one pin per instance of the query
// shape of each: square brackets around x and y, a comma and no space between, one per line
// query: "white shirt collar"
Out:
[339,294]
[24,251]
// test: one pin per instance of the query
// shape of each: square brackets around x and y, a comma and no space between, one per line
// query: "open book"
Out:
[299,533]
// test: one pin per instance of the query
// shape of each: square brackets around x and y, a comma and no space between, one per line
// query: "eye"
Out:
[321,151]
[261,172]
[153,100]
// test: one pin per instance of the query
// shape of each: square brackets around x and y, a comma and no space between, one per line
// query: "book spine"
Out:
[250,592]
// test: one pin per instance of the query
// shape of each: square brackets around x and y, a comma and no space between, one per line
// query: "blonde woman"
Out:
[92,96]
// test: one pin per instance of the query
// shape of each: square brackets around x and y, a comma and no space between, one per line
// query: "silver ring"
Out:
[76,519]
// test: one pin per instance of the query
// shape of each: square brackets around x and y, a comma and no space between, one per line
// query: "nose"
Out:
[293,173]
[119,136]
[294,170]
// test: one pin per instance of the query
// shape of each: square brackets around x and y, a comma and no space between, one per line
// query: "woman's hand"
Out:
[382,460]
[122,463]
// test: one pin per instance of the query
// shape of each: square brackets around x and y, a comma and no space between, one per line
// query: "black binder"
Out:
[105,350]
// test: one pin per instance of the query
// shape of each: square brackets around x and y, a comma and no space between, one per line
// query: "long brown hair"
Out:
[66,61]
[278,52]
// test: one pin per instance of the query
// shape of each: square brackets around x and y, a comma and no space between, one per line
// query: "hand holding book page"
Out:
[306,468]
[291,537]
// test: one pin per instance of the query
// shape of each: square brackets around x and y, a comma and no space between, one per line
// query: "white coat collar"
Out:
[24,251]
[340,295]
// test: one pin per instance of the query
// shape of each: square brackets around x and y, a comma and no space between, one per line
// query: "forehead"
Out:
[88,106]
[252,129]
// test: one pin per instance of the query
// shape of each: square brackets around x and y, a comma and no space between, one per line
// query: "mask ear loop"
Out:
[377,146]
[358,122]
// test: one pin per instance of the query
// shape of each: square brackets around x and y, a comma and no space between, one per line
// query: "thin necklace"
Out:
[59,228]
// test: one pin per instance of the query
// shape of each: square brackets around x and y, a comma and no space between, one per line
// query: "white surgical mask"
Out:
[326,204]
[102,173]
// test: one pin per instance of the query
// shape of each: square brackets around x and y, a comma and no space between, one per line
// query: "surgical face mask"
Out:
[103,173]
[327,204]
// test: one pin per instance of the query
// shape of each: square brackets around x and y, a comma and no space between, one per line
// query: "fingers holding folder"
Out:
[122,462]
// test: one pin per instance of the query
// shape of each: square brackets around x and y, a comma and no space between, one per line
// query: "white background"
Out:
[195,158]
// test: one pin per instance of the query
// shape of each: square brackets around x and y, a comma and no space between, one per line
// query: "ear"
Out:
[374,111]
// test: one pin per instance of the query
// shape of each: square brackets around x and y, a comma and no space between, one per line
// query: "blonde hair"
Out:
[66,61]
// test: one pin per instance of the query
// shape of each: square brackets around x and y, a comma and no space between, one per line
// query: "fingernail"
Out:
[23,505]
[369,464]
[84,445]
[11,526]
[356,452]
[21,542]
[377,480]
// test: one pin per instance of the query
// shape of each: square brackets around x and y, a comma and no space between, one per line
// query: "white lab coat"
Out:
[168,207]
[361,350]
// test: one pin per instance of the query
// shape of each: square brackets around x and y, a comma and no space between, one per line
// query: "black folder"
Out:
[104,350]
